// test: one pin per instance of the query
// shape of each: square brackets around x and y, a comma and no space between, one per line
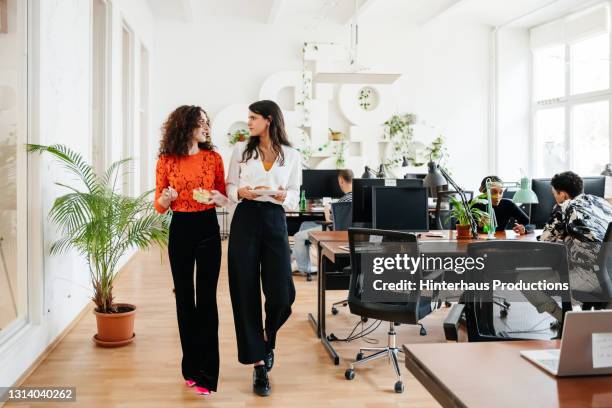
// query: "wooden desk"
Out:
[316,238]
[329,245]
[493,374]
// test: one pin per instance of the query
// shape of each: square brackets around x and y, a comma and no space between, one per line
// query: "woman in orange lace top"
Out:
[188,170]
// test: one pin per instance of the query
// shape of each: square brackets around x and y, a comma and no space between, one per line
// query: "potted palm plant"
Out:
[102,225]
[460,213]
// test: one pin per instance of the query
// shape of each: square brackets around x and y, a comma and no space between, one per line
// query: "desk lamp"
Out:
[492,226]
[525,195]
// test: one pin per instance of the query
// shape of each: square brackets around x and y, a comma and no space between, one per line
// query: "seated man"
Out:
[580,222]
[504,209]
[300,248]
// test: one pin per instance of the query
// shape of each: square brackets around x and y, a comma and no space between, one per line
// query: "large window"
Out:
[13,168]
[572,94]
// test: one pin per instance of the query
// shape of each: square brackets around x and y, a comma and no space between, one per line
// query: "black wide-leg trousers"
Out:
[194,238]
[259,252]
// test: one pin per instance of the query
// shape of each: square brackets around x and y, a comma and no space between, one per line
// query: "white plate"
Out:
[266,192]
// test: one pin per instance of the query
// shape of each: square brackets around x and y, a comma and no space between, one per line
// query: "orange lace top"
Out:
[186,173]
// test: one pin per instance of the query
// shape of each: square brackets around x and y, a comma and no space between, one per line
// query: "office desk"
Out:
[296,218]
[316,238]
[330,243]
[493,374]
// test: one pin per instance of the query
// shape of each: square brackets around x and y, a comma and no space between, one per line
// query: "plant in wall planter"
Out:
[239,135]
[399,133]
[461,214]
[340,154]
[102,225]
[365,96]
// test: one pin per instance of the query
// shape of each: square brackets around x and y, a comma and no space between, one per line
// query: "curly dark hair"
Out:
[569,182]
[177,131]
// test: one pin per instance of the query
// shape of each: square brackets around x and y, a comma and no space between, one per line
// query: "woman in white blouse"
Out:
[264,176]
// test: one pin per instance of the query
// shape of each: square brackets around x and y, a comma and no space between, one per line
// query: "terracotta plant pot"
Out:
[115,329]
[464,232]
[241,138]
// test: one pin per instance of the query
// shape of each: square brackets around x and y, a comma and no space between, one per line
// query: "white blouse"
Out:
[253,174]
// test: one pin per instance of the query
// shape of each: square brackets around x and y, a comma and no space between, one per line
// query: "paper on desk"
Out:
[602,350]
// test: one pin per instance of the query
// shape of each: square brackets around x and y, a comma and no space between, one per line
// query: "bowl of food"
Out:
[265,190]
[202,195]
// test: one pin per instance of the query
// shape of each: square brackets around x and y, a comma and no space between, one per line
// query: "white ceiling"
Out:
[313,12]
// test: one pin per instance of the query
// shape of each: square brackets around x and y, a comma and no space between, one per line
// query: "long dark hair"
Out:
[177,131]
[278,135]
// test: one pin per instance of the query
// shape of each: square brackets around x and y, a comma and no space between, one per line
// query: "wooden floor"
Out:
[147,372]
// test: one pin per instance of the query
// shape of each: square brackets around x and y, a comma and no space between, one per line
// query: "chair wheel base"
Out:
[349,374]
[399,387]
[308,278]
[359,356]
[334,311]
[423,332]
[503,313]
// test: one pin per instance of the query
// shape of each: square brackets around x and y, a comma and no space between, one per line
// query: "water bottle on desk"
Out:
[303,201]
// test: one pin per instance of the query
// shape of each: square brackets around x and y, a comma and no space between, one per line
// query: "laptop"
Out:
[575,357]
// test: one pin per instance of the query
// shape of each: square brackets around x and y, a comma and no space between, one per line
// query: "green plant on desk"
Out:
[461,213]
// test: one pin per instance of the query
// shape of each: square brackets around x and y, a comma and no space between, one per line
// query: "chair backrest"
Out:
[511,262]
[365,243]
[343,215]
[604,263]
[443,222]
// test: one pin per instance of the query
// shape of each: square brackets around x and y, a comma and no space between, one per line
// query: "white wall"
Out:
[65,117]
[445,73]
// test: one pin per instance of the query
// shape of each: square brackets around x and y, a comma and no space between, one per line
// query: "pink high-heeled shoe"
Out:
[201,390]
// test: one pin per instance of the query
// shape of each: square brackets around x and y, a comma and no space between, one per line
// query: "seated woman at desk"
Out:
[302,263]
[505,210]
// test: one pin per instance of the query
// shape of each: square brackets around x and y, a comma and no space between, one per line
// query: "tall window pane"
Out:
[590,64]
[549,73]
[13,130]
[551,145]
[591,137]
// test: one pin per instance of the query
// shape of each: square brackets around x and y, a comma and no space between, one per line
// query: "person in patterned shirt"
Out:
[579,221]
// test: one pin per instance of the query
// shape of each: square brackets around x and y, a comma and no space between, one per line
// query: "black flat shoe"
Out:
[269,360]
[261,383]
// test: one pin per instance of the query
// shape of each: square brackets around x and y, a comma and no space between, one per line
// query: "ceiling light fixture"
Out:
[355,73]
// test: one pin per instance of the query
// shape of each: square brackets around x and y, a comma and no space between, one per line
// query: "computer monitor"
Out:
[362,196]
[321,183]
[400,208]
[540,213]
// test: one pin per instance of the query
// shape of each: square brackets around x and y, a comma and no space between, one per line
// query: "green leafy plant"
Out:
[461,213]
[436,150]
[364,98]
[400,134]
[239,135]
[99,223]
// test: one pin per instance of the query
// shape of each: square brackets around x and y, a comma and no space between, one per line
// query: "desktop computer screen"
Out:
[362,196]
[400,208]
[321,183]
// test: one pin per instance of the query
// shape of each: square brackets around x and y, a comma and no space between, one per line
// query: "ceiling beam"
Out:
[443,11]
[364,6]
[275,10]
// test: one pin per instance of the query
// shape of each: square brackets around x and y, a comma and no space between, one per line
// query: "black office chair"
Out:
[415,305]
[342,218]
[603,270]
[443,207]
[505,260]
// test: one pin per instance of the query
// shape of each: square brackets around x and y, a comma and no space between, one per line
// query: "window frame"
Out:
[568,101]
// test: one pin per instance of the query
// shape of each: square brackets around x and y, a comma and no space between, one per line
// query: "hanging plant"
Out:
[239,135]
